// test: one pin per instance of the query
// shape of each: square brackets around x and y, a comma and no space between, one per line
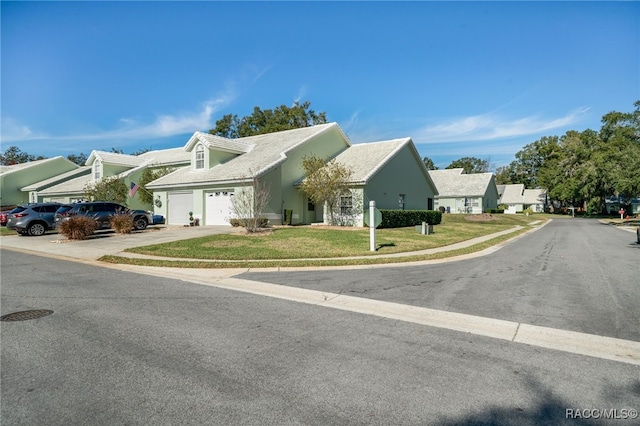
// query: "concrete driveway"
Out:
[108,242]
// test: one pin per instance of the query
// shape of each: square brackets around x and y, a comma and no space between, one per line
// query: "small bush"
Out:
[494,211]
[122,223]
[251,224]
[404,218]
[78,227]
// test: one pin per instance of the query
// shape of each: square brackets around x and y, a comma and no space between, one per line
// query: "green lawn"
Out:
[4,231]
[309,242]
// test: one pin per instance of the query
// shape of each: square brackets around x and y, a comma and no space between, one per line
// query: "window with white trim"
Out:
[97,170]
[346,204]
[199,157]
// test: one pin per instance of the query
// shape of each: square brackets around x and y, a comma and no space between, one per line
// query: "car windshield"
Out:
[18,209]
[64,209]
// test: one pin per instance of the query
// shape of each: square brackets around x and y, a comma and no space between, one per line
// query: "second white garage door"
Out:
[218,207]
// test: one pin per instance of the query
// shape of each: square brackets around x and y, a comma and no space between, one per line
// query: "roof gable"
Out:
[263,153]
[454,183]
[366,159]
[513,194]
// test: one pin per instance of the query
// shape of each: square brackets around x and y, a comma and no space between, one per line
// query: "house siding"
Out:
[401,175]
[12,183]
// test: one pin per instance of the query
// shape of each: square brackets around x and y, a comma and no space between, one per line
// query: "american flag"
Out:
[133,189]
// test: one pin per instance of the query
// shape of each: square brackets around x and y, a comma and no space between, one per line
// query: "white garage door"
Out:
[218,207]
[180,204]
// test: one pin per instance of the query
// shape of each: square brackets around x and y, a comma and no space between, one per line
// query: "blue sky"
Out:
[479,79]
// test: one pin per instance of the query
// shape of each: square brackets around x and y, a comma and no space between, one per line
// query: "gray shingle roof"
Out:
[513,194]
[366,159]
[114,158]
[84,170]
[454,183]
[167,157]
[266,152]
[71,186]
[534,196]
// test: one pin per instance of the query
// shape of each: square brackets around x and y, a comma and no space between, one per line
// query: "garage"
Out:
[218,207]
[179,206]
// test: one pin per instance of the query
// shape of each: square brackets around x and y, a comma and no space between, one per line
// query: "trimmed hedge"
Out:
[404,218]
[494,211]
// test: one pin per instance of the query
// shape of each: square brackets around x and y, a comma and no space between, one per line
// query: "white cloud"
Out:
[163,126]
[302,92]
[493,126]
[14,131]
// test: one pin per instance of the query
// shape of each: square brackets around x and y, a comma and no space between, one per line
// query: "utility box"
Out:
[424,229]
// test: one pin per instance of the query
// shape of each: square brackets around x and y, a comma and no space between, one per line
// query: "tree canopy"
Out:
[268,121]
[14,155]
[470,165]
[583,168]
[428,163]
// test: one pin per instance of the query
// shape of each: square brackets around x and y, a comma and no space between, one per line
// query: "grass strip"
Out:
[307,262]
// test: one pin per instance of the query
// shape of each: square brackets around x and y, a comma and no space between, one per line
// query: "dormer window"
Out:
[97,170]
[199,157]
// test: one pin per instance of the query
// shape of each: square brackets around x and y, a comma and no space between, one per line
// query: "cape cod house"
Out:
[388,172]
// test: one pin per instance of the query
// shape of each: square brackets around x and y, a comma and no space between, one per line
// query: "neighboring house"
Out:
[517,199]
[35,190]
[535,199]
[14,178]
[391,173]
[101,164]
[513,198]
[222,167]
[464,193]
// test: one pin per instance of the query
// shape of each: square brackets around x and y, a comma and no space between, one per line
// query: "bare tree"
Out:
[249,204]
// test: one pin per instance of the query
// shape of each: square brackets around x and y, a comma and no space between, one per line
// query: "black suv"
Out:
[33,219]
[102,211]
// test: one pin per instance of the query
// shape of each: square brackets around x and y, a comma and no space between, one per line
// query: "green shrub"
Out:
[122,223]
[78,227]
[404,218]
[494,211]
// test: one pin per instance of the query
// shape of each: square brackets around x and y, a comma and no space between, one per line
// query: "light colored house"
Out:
[389,172]
[464,193]
[101,164]
[15,177]
[221,167]
[535,199]
[517,198]
[513,198]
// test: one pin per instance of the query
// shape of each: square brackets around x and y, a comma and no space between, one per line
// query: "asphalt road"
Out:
[125,348]
[573,274]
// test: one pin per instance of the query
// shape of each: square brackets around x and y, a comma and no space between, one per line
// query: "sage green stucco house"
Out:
[15,177]
[101,164]
[388,172]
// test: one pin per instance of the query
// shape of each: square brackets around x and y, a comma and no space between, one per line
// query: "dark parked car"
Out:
[3,217]
[638,234]
[32,219]
[102,212]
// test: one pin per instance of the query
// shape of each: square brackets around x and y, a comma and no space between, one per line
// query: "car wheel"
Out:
[140,223]
[36,229]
